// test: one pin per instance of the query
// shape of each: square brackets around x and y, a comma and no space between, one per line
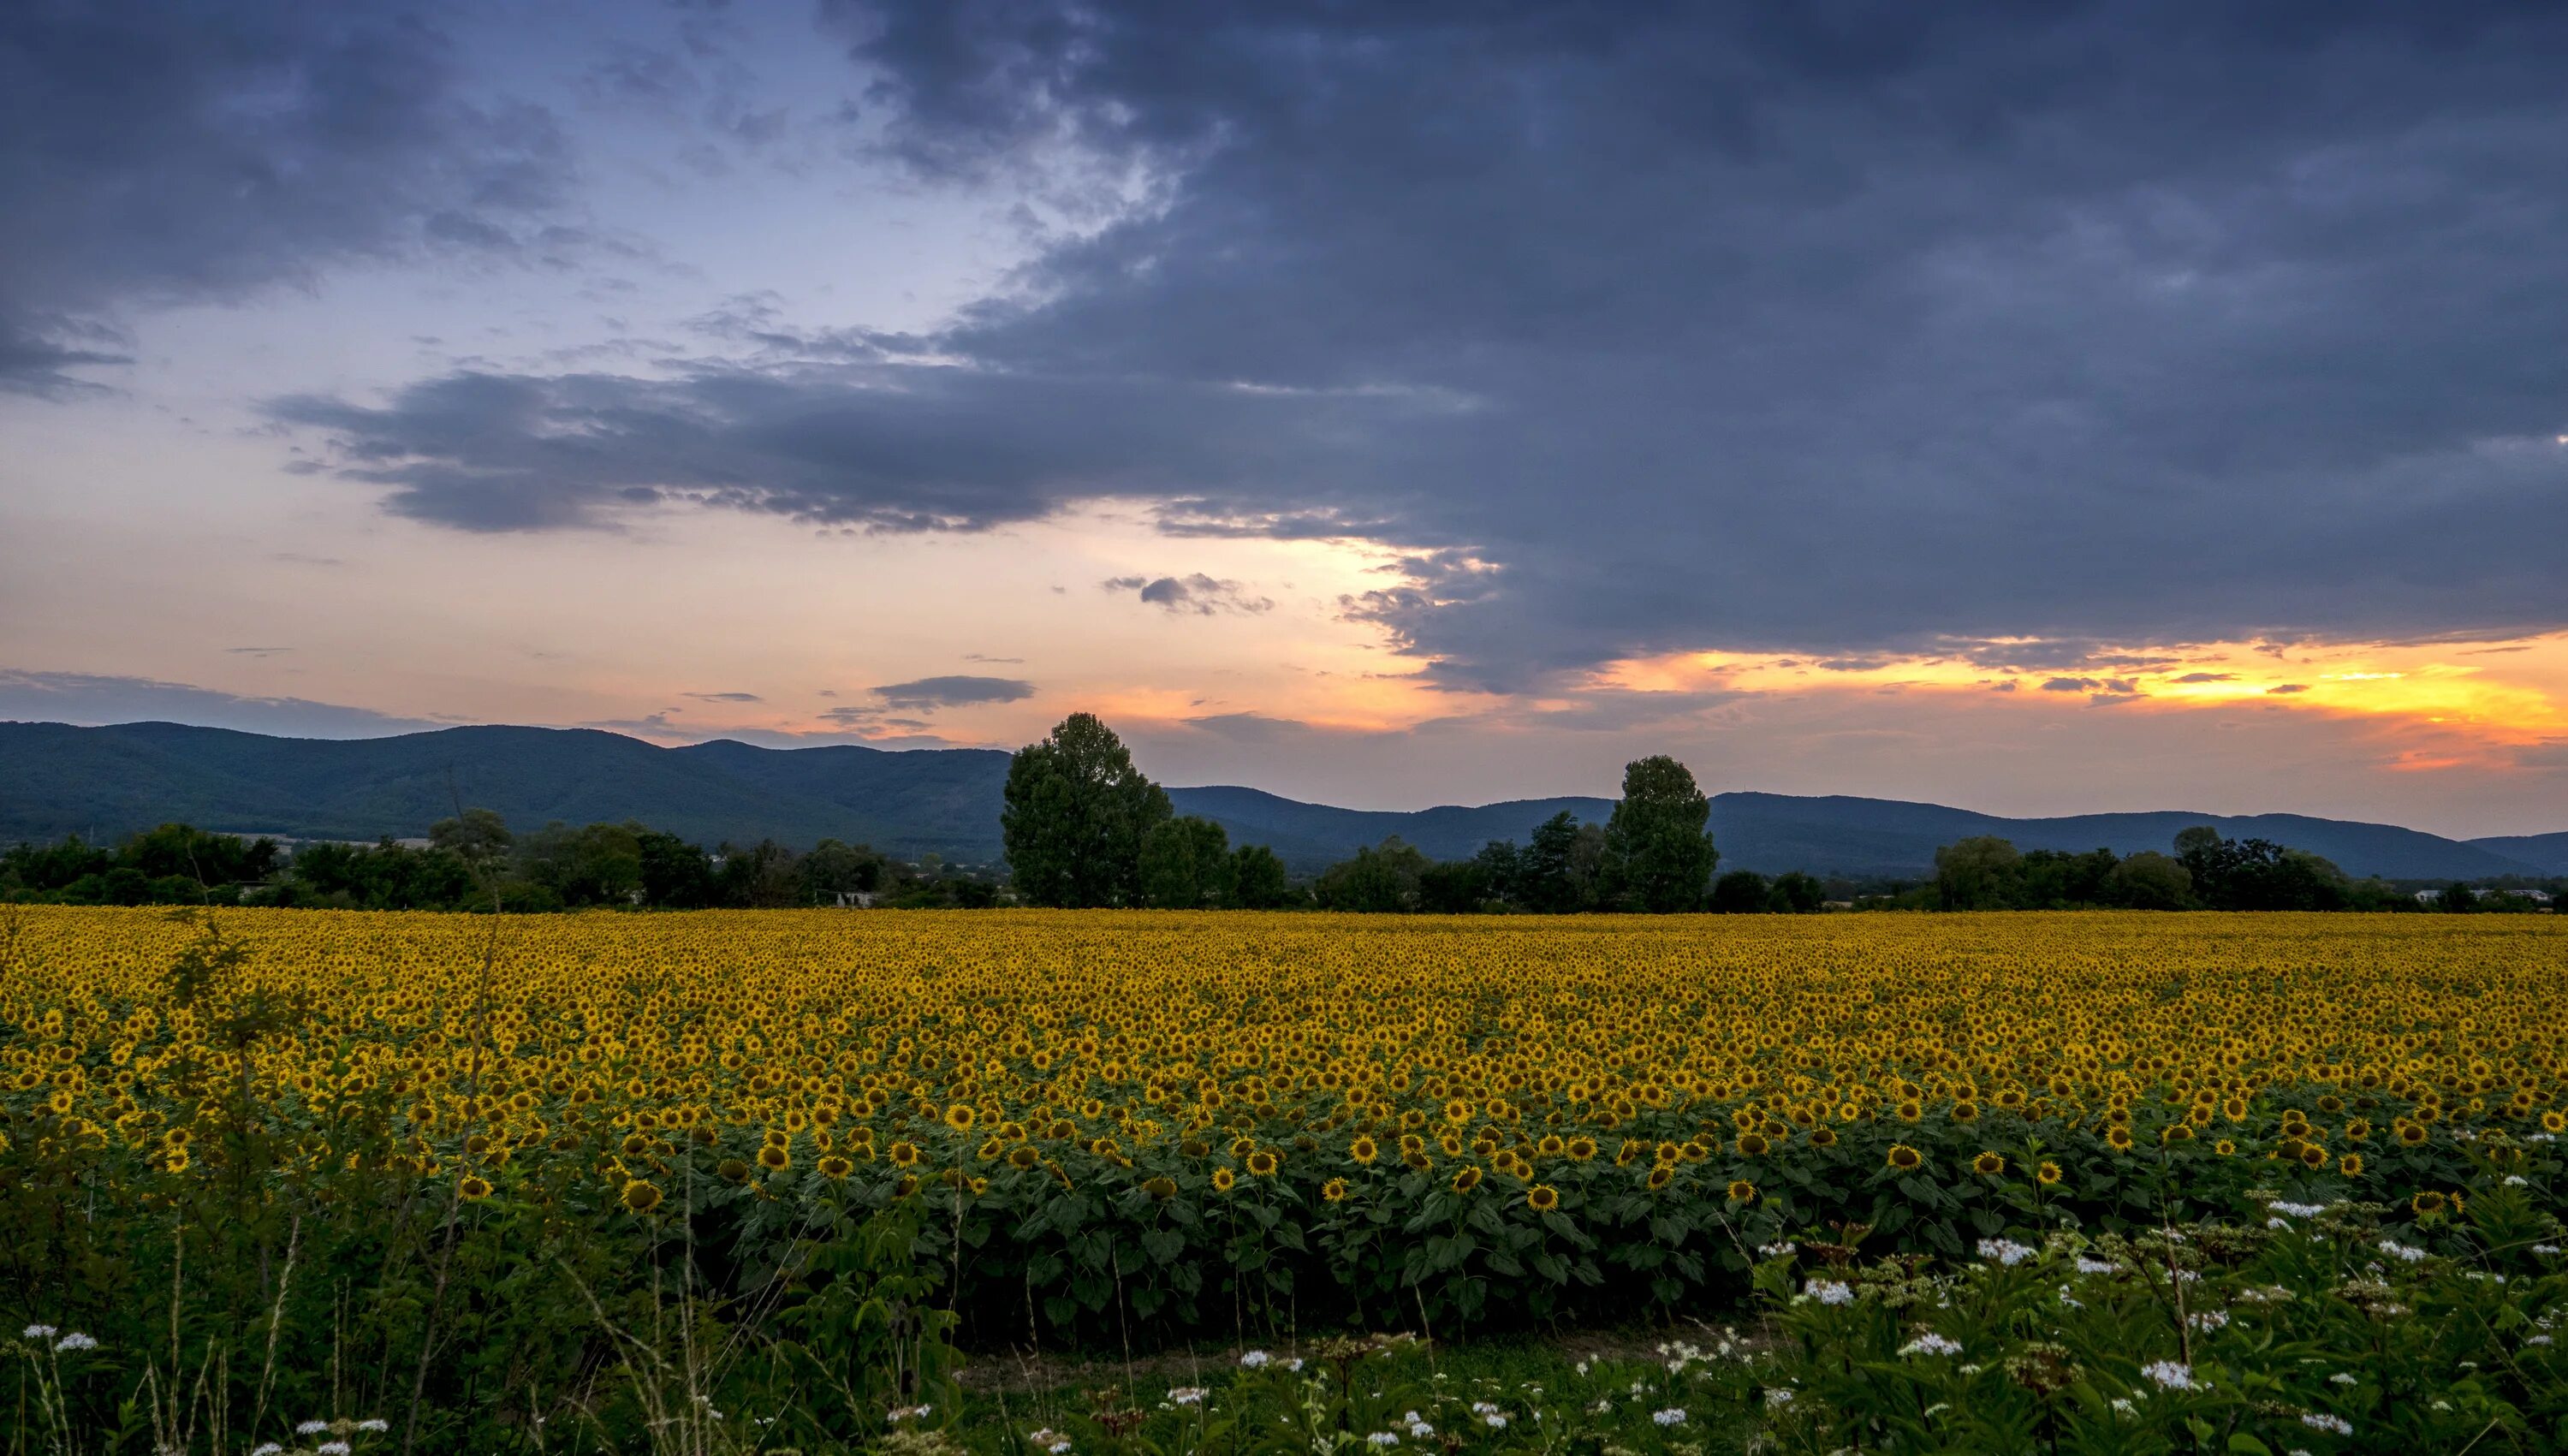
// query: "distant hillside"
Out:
[2545,852]
[109,781]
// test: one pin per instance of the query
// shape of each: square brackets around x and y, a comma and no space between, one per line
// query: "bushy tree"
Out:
[2149,880]
[1796,893]
[1075,817]
[1185,864]
[1739,892]
[1379,880]
[1258,880]
[1657,857]
[1979,873]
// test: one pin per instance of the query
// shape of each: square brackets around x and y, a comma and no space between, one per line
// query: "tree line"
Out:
[2206,871]
[1084,827]
[474,862]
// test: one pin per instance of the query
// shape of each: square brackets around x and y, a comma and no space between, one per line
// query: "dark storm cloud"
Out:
[159,154]
[1841,328]
[929,693]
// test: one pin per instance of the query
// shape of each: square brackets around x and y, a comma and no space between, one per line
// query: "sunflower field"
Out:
[360,1163]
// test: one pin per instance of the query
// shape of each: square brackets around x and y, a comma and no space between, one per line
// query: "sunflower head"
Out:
[1335,1190]
[2351,1165]
[474,1188]
[1987,1165]
[1742,1191]
[1661,1176]
[641,1197]
[1262,1163]
[1905,1158]
[1224,1180]
[2048,1175]
[834,1167]
[774,1158]
[960,1117]
[904,1154]
[1467,1180]
[1363,1150]
[1542,1198]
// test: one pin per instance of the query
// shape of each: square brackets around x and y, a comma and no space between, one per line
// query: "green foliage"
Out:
[1657,857]
[1076,816]
[1187,865]
[1383,880]
[1258,880]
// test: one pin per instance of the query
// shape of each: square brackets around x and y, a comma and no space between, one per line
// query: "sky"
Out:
[2036,408]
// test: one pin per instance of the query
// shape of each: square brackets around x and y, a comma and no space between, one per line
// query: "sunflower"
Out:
[1580,1149]
[2351,1165]
[834,1167]
[641,1197]
[2048,1175]
[1905,1158]
[2426,1202]
[775,1157]
[1457,1111]
[2176,1132]
[961,1117]
[474,1188]
[2119,1136]
[1263,1164]
[1159,1187]
[1966,1110]
[1823,1137]
[904,1154]
[2225,1149]
[2413,1134]
[1987,1165]
[1661,1176]
[1466,1179]
[1224,1180]
[2554,1122]
[1363,1150]
[1742,1191]
[1335,1190]
[1752,1145]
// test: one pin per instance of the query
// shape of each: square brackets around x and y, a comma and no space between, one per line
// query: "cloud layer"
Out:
[1831,329]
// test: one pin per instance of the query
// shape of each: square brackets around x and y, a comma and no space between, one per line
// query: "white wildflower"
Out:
[2545,1248]
[2538,1339]
[1188,1395]
[2397,1250]
[312,1428]
[2169,1375]
[2517,1180]
[1256,1359]
[1783,1250]
[2343,1378]
[75,1341]
[2319,1420]
[2005,1251]
[1668,1417]
[1931,1343]
[1830,1291]
[1294,1365]
[379,1425]
[2298,1210]
[331,1448]
[1496,1421]
[267,1448]
[1381,1439]
[2209,1319]
[1049,1440]
[2086,1265]
[39,1332]
[1778,1398]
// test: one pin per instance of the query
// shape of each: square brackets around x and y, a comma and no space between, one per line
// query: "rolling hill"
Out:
[109,781]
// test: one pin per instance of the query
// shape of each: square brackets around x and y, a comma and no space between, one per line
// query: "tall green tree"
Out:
[1657,856]
[1983,872]
[1185,864]
[1076,814]
[1258,880]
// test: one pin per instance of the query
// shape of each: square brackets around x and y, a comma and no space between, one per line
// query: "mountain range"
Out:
[102,782]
